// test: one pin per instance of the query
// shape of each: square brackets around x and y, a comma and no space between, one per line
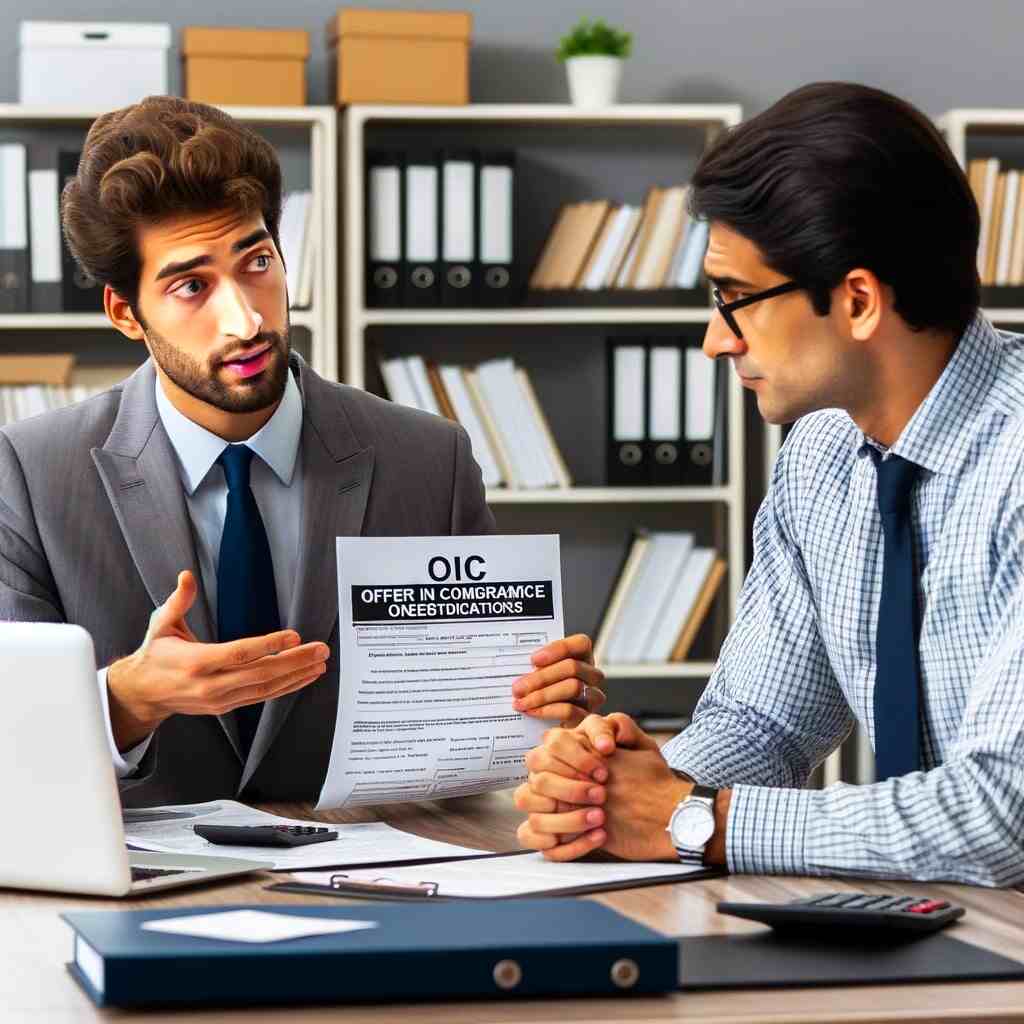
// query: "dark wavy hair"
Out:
[160,158]
[836,176]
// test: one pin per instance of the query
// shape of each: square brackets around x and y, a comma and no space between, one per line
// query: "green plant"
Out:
[594,39]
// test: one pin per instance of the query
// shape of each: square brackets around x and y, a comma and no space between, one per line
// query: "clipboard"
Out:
[424,889]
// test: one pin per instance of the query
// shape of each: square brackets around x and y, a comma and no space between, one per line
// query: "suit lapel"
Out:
[140,475]
[337,471]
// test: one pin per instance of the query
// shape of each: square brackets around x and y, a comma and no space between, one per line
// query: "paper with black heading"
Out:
[433,631]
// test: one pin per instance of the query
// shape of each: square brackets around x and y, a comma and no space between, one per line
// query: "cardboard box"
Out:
[263,67]
[37,369]
[101,63]
[399,56]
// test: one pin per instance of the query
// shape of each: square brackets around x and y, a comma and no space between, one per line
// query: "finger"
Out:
[531,840]
[280,687]
[570,747]
[581,820]
[579,846]
[174,609]
[236,653]
[571,791]
[566,668]
[576,646]
[629,734]
[601,732]
[566,690]
[266,670]
[530,802]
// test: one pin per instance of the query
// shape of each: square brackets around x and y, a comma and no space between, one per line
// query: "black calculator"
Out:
[264,835]
[841,910]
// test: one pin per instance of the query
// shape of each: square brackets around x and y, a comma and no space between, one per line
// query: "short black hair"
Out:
[836,176]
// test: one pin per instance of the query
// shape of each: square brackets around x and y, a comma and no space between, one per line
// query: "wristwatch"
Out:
[692,824]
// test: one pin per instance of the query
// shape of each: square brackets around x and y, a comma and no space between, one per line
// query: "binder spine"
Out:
[385,229]
[698,417]
[497,197]
[627,414]
[460,233]
[422,205]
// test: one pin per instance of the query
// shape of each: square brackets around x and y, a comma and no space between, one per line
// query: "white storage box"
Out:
[92,63]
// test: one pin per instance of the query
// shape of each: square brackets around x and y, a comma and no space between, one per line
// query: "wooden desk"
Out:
[34,944]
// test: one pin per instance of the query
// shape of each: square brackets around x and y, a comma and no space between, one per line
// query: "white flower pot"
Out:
[593,81]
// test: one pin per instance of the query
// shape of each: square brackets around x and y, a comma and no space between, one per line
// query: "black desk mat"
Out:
[769,960]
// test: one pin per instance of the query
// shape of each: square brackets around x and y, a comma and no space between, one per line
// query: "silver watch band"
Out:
[705,794]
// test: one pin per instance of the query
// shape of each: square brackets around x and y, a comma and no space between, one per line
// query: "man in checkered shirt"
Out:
[842,216]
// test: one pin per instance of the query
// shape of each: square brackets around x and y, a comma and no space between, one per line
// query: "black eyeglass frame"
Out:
[727,308]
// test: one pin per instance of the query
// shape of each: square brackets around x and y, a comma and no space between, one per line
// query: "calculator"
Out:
[851,910]
[264,835]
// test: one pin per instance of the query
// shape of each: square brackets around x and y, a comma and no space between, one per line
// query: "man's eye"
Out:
[189,288]
[261,262]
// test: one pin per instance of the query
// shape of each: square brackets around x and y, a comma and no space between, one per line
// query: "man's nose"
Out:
[719,339]
[235,316]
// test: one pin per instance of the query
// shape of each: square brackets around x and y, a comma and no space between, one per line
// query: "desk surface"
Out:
[34,944]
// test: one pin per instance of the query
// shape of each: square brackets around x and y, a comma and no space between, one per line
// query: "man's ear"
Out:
[121,315]
[863,303]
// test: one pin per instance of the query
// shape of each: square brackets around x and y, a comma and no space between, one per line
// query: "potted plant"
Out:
[593,53]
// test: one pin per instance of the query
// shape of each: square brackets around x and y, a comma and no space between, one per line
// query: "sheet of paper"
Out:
[372,843]
[433,632]
[516,875]
[253,926]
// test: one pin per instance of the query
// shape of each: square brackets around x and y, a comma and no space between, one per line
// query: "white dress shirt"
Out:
[276,481]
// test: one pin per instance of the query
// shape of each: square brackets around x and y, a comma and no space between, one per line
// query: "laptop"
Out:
[63,829]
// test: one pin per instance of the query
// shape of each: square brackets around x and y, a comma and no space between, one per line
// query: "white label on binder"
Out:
[700,396]
[496,215]
[628,368]
[385,232]
[13,216]
[254,926]
[457,183]
[665,384]
[421,214]
[45,220]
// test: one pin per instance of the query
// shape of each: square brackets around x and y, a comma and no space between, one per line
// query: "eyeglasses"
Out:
[727,308]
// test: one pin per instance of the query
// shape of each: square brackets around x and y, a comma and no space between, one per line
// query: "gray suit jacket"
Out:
[94,530]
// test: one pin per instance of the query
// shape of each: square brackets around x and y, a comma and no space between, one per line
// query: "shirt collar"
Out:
[276,442]
[939,436]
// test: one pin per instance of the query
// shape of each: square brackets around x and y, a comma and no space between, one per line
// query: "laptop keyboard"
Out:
[144,874]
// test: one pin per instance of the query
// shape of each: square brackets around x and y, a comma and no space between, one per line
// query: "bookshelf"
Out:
[602,515]
[318,125]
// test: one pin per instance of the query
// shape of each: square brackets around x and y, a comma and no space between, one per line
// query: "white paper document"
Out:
[253,926]
[515,875]
[433,632]
[169,830]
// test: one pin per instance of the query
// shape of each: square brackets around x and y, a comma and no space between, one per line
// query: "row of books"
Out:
[1000,199]
[38,274]
[496,403]
[662,597]
[597,245]
[21,401]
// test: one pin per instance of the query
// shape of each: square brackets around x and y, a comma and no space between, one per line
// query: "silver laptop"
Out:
[63,829]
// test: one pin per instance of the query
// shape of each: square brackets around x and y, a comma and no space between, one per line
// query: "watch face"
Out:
[693,824]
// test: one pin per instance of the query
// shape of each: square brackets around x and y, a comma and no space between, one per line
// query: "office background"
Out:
[731,51]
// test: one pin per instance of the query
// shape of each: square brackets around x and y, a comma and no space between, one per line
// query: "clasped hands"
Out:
[601,785]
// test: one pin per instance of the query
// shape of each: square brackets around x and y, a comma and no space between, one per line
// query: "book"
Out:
[610,623]
[561,470]
[699,612]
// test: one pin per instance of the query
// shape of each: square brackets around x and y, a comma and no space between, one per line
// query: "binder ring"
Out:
[625,973]
[507,974]
[630,455]
[385,277]
[700,454]
[496,277]
[458,277]
[423,277]
[666,454]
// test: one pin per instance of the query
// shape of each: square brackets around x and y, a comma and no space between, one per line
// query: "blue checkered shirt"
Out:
[798,665]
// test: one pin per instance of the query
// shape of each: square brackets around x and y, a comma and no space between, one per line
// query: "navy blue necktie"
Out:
[898,675]
[246,593]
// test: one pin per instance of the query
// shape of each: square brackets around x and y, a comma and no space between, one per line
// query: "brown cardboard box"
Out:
[246,66]
[37,369]
[399,56]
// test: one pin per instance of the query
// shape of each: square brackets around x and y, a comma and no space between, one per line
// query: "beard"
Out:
[203,382]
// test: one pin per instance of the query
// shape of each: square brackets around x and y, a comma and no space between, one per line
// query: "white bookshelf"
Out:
[321,122]
[726,501]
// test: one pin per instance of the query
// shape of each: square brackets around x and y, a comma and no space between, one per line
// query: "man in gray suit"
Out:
[186,517]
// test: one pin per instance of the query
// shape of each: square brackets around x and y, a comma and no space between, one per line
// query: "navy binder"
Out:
[520,948]
[384,267]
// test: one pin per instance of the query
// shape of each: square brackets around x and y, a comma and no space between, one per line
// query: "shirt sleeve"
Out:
[962,821]
[773,708]
[126,763]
